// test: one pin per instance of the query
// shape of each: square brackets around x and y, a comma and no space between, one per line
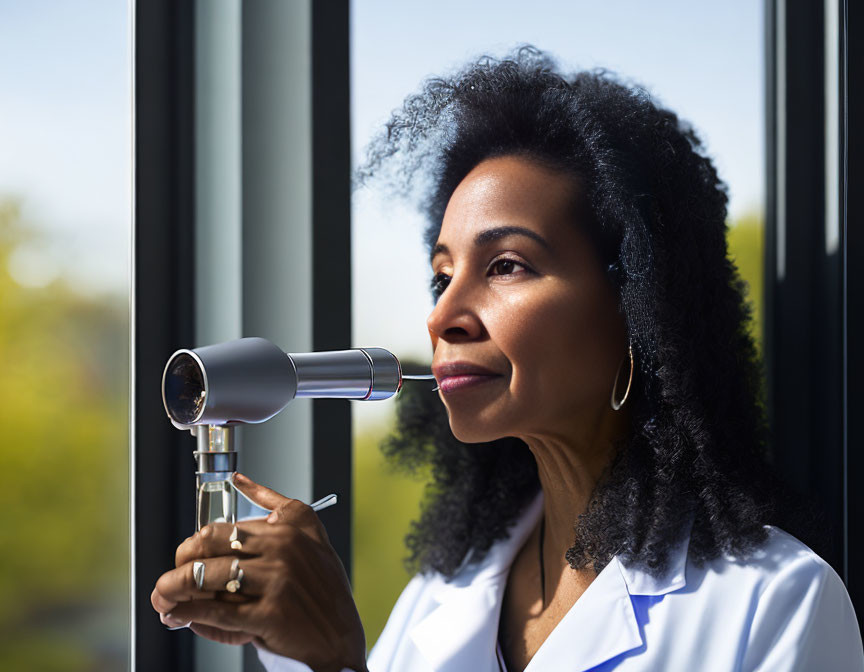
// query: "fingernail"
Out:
[180,627]
[239,477]
[172,622]
[273,517]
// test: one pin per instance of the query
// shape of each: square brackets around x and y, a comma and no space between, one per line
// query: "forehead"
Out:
[512,190]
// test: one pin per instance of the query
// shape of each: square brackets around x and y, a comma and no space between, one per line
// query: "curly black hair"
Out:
[698,449]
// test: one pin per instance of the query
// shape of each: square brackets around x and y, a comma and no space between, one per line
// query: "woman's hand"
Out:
[294,597]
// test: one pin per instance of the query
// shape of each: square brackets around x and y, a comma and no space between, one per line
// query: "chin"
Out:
[471,430]
[480,419]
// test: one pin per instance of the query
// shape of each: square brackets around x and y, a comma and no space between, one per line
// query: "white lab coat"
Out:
[784,609]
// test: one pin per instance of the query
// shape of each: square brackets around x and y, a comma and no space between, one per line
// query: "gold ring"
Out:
[236,544]
[234,584]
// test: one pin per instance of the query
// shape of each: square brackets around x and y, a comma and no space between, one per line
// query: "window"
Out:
[65,214]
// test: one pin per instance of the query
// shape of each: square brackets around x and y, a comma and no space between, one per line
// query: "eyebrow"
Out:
[490,235]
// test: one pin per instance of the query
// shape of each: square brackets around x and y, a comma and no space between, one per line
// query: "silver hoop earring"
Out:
[618,404]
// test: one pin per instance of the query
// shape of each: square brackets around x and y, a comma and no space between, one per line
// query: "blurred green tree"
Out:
[64,576]
[746,239]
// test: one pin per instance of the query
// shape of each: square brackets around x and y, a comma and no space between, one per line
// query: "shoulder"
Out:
[793,607]
[781,553]
[782,559]
[782,570]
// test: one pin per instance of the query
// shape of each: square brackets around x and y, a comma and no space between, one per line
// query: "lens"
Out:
[184,389]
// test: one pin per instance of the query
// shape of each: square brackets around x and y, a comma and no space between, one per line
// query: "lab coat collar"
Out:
[461,632]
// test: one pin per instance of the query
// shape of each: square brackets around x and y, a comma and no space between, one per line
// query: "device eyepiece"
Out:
[185,388]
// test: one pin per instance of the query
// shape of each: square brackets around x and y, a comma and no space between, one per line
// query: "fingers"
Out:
[300,515]
[233,575]
[226,616]
[246,577]
[221,636]
[261,495]
[284,509]
[220,539]
[161,603]
[296,512]
[171,623]
[164,603]
[252,537]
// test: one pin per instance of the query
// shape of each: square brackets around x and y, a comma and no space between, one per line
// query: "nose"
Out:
[454,317]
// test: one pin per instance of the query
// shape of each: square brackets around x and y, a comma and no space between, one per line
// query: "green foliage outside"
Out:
[386,501]
[64,412]
[746,238]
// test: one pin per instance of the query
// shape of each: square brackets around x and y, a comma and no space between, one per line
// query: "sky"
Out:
[703,60]
[65,137]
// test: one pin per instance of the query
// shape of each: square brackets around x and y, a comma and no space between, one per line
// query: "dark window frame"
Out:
[163,256]
[814,299]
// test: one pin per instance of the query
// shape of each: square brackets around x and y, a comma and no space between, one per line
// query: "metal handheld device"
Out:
[212,389]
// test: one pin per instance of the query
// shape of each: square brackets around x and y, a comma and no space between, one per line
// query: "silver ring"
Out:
[198,573]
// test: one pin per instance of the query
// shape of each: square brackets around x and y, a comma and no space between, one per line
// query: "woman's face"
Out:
[527,337]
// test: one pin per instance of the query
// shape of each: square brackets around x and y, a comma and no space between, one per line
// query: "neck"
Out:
[569,466]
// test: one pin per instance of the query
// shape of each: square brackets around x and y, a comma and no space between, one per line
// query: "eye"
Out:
[439,284]
[506,267]
[501,267]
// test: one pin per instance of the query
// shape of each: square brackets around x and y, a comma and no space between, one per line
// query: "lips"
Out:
[453,376]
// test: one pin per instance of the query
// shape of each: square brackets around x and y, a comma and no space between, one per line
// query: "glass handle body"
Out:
[216,500]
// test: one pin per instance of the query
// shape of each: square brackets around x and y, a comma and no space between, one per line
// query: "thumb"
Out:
[261,495]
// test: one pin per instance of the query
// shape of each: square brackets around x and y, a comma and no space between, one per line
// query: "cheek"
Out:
[562,346]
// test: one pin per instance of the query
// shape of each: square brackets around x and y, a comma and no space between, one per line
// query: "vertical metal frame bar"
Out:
[814,288]
[331,256]
[774,186]
[804,327]
[162,316]
[852,245]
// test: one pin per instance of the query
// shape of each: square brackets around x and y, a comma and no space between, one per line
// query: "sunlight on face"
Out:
[526,333]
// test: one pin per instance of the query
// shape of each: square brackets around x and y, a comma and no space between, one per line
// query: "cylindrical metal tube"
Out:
[340,374]
[364,373]
[216,462]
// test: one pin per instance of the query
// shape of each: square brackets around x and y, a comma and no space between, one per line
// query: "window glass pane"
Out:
[65,181]
[703,61]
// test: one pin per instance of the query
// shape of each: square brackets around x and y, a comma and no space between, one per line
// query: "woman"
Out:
[601,497]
